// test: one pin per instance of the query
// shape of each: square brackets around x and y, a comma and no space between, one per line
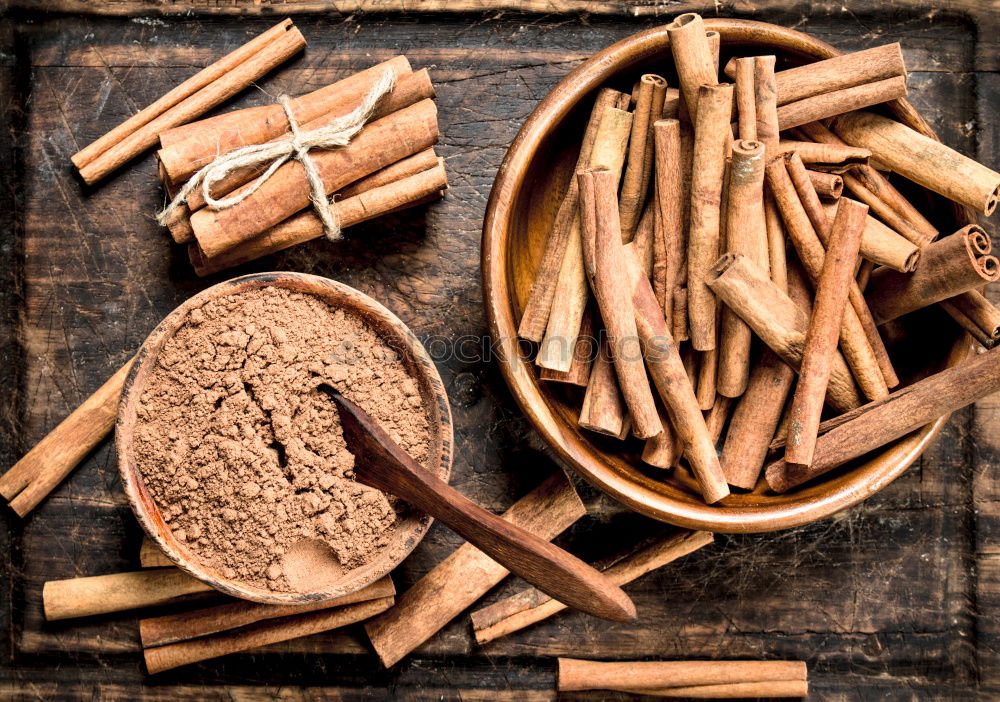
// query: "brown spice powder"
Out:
[245,457]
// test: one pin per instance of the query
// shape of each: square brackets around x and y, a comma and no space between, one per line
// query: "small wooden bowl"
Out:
[519,215]
[413,524]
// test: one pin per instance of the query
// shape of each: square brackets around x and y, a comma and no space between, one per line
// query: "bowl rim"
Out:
[862,482]
[389,326]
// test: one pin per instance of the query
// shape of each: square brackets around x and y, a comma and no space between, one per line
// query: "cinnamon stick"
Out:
[769,688]
[903,225]
[379,144]
[777,320]
[605,265]
[746,107]
[882,245]
[543,289]
[31,479]
[603,410]
[716,418]
[950,266]
[829,186]
[976,315]
[824,105]
[635,181]
[837,73]
[171,628]
[829,157]
[669,222]
[407,192]
[100,594]
[766,103]
[532,606]
[570,295]
[468,574]
[583,356]
[877,423]
[195,96]
[262,633]
[693,60]
[825,324]
[923,160]
[746,233]
[708,171]
[663,450]
[577,674]
[187,149]
[708,371]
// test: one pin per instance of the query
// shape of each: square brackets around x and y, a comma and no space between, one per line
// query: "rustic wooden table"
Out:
[896,597]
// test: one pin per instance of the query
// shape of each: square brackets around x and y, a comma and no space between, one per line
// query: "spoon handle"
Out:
[382,464]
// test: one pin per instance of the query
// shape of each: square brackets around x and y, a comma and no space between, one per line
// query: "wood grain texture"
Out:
[896,597]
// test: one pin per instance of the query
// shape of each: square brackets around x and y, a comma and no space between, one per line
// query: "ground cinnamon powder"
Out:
[245,457]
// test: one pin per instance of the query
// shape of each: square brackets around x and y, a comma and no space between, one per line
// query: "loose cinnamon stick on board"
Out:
[570,296]
[194,97]
[837,73]
[468,574]
[693,60]
[674,386]
[531,606]
[577,674]
[669,221]
[838,102]
[708,171]
[411,89]
[171,628]
[824,331]
[773,688]
[408,192]
[746,106]
[907,409]
[379,144]
[857,349]
[100,594]
[829,157]
[921,159]
[31,479]
[635,181]
[950,266]
[536,311]
[777,320]
[882,245]
[583,355]
[187,149]
[151,556]
[828,186]
[262,633]
[976,315]
[603,408]
[610,284]
[746,233]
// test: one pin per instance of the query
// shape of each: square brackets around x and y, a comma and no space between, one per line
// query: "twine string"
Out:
[338,133]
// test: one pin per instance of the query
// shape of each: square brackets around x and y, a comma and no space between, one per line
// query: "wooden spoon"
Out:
[381,463]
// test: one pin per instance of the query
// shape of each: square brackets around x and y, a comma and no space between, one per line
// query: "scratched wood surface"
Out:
[898,597]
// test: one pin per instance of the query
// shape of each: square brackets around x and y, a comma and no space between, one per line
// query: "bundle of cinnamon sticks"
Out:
[388,166]
[722,240]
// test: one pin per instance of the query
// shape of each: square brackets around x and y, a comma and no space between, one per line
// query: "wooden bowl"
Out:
[412,525]
[521,208]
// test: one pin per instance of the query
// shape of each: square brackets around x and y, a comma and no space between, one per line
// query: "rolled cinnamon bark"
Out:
[829,186]
[777,320]
[31,479]
[171,628]
[603,410]
[693,60]
[746,106]
[950,266]
[976,315]
[262,633]
[577,674]
[708,171]
[716,418]
[882,245]
[570,295]
[708,371]
[408,192]
[825,324]
[775,240]
[543,289]
[639,165]
[837,73]
[185,149]
[100,594]
[829,157]
[921,159]
[379,144]
[664,449]
[669,209]
[824,105]
[770,688]
[610,283]
[583,356]
[766,100]
[746,233]
[907,409]
[195,96]
[803,217]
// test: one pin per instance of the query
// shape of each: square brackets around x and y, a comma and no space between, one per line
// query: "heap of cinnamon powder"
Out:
[245,457]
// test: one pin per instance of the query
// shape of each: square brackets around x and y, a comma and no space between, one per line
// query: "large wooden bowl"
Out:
[412,524]
[521,208]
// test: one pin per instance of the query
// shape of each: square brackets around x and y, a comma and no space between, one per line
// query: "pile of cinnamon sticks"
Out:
[388,166]
[687,350]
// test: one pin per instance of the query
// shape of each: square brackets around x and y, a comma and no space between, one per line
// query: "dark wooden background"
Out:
[897,597]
